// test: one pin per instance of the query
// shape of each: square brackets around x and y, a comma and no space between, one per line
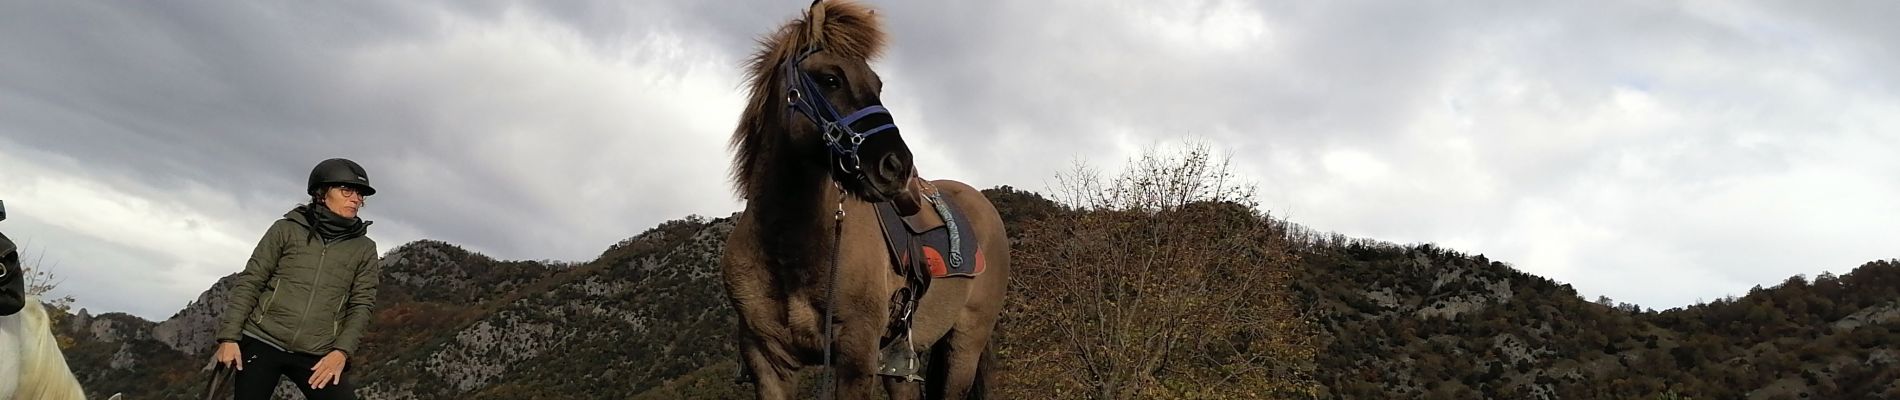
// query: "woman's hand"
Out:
[329,370]
[230,356]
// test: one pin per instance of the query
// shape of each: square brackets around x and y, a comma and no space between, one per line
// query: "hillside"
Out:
[647,320]
[646,310]
[1424,322]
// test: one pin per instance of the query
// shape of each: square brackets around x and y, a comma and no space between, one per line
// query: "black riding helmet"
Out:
[339,171]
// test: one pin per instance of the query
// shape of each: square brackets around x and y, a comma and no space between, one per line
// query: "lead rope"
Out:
[815,21]
[829,390]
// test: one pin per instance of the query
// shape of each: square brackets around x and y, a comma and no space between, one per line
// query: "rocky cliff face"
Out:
[191,329]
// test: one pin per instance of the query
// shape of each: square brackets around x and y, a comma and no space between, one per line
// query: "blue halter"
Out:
[842,136]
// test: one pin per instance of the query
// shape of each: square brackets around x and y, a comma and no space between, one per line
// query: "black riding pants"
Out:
[263,365]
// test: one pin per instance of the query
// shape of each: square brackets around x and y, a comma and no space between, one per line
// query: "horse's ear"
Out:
[815,24]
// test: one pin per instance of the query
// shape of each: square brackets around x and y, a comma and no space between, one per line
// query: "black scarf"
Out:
[331,227]
[12,283]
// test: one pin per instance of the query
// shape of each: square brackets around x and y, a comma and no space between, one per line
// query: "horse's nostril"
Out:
[892,168]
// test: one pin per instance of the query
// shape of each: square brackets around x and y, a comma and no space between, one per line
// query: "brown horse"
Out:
[813,121]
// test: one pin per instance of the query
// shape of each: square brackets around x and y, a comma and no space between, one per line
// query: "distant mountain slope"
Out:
[648,320]
[454,324]
[1424,322]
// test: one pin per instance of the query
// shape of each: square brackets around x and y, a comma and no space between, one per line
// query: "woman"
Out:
[299,308]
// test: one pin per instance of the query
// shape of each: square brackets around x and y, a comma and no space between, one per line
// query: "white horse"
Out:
[31,365]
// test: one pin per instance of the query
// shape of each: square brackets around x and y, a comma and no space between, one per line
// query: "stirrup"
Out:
[900,361]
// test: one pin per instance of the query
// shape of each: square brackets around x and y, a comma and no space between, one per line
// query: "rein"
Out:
[830,386]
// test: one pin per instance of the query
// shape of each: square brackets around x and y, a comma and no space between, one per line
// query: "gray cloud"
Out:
[1656,153]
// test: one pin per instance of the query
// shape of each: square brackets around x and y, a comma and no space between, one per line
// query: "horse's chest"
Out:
[801,324]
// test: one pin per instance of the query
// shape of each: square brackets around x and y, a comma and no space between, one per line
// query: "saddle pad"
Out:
[933,245]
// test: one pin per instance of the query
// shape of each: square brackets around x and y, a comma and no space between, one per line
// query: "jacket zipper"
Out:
[259,316]
[315,284]
[336,326]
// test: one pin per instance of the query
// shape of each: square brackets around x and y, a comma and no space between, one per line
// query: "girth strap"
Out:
[899,356]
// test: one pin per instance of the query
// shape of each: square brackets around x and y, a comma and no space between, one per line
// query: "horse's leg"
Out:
[936,373]
[773,382]
[964,353]
[858,360]
[900,389]
[862,327]
[744,374]
[859,385]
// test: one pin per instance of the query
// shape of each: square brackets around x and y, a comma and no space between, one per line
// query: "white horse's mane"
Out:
[10,360]
[31,365]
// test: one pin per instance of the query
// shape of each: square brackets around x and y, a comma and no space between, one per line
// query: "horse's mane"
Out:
[844,29]
[42,372]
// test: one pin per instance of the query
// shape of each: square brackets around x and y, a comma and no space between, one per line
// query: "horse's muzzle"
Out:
[892,179]
[907,201]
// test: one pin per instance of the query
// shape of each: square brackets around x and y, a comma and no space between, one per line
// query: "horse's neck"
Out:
[797,227]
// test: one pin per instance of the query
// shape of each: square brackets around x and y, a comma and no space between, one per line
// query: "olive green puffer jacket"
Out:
[301,294]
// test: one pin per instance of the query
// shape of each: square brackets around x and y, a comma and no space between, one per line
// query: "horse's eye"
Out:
[830,81]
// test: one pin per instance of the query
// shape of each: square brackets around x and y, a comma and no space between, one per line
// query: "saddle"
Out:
[935,242]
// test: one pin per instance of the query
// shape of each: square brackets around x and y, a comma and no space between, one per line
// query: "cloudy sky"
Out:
[1653,152]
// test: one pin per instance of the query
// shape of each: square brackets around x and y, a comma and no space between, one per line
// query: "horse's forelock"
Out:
[845,28]
[842,28]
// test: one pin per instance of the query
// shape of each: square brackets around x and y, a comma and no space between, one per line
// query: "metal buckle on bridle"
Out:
[836,133]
